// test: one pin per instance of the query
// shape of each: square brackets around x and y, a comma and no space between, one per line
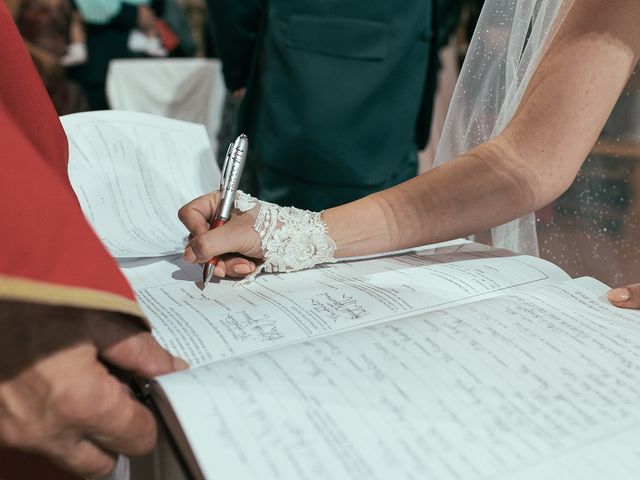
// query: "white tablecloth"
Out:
[190,89]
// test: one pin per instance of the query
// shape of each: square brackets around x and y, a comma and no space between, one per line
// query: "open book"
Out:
[452,361]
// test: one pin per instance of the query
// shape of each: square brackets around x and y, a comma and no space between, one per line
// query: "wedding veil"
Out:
[509,41]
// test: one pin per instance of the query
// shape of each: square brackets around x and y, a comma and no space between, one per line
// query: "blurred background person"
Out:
[108,26]
[337,96]
[45,29]
[76,53]
[127,29]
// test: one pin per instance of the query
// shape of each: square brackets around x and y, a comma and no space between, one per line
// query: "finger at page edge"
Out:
[124,426]
[137,352]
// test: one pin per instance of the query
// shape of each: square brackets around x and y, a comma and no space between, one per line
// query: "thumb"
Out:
[126,346]
[196,214]
[626,297]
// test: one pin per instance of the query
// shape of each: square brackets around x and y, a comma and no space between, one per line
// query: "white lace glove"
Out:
[291,239]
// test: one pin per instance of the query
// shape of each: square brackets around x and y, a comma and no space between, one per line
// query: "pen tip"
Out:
[207,274]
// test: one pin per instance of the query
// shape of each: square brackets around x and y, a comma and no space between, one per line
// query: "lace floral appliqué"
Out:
[292,239]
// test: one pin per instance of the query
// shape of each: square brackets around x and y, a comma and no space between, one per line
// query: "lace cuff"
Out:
[292,239]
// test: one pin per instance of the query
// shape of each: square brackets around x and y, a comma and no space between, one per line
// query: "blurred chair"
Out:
[190,89]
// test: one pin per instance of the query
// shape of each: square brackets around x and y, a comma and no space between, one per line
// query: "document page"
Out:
[226,320]
[132,172]
[526,386]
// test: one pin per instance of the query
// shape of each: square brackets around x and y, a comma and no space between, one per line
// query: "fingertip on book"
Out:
[619,295]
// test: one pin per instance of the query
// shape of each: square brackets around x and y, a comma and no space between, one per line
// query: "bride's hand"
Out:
[286,239]
[236,243]
[626,297]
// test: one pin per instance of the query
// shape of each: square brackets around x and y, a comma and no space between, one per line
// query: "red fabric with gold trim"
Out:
[43,234]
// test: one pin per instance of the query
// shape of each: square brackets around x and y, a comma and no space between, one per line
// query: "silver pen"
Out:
[229,181]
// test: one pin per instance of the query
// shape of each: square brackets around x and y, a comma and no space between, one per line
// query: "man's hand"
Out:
[57,397]
[626,297]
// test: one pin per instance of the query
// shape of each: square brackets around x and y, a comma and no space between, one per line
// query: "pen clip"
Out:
[225,168]
[233,171]
[239,157]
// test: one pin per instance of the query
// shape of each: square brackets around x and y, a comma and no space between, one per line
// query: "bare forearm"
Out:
[530,163]
[468,195]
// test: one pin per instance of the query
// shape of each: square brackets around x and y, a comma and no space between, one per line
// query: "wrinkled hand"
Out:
[58,399]
[626,297]
[236,237]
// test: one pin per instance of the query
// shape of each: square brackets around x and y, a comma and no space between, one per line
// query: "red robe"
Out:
[49,252]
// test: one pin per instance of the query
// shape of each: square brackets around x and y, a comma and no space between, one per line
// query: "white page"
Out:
[529,386]
[132,172]
[226,320]
[144,273]
[449,243]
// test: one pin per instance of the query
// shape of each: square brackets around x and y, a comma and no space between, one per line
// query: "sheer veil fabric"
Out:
[509,41]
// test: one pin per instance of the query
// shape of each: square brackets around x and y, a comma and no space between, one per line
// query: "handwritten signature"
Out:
[243,326]
[340,306]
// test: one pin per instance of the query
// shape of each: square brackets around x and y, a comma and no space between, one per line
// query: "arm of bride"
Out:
[532,162]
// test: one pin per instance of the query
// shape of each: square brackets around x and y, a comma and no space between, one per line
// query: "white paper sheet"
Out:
[530,386]
[132,172]
[226,320]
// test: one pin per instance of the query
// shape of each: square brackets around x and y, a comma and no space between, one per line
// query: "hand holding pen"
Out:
[281,239]
[229,182]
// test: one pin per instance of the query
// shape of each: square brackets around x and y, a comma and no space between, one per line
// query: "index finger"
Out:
[124,345]
[196,214]
[120,423]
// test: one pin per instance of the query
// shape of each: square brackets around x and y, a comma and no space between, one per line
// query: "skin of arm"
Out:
[532,162]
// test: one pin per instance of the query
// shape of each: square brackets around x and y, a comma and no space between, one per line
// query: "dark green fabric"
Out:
[235,25]
[280,187]
[447,18]
[339,93]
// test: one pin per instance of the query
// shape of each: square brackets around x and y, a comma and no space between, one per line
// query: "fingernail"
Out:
[218,272]
[619,295]
[180,364]
[242,269]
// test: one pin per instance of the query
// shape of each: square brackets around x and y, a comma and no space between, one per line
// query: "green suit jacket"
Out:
[339,93]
